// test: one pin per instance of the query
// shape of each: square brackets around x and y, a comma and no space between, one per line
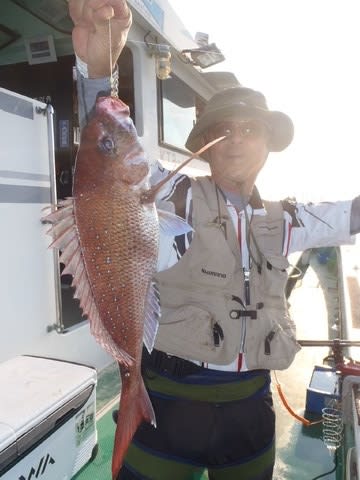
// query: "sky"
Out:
[304,56]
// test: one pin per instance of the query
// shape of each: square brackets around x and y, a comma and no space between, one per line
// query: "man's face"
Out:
[238,159]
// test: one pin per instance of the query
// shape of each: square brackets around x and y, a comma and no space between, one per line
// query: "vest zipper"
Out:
[247,302]
[242,234]
[247,286]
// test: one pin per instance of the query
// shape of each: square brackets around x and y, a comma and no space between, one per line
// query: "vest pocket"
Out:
[274,275]
[268,233]
[275,345]
[189,333]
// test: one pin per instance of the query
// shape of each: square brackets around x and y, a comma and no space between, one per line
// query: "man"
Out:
[224,321]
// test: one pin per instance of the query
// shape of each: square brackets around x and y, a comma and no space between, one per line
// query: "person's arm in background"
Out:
[355,216]
[90,39]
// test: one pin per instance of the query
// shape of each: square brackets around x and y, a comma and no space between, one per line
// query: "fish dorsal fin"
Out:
[152,314]
[66,238]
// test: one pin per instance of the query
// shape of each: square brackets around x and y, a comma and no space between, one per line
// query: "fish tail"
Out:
[136,408]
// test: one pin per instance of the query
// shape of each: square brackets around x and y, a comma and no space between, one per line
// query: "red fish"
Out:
[108,234]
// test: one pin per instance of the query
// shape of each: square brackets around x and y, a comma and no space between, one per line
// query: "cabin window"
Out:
[178,109]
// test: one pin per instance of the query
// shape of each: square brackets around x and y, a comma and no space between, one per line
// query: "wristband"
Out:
[82,67]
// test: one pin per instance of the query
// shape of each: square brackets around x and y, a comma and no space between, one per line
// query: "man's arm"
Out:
[91,45]
[355,216]
[91,36]
[88,90]
[92,19]
[324,224]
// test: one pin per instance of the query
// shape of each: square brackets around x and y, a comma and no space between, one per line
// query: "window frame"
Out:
[198,103]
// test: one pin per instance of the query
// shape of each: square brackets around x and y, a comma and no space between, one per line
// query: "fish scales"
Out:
[115,235]
[119,245]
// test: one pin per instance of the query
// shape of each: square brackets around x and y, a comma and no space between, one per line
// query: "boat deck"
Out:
[301,452]
[107,398]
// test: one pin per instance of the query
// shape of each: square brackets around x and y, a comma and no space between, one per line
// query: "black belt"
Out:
[169,364]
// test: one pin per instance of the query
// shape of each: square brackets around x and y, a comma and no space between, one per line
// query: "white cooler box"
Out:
[47,418]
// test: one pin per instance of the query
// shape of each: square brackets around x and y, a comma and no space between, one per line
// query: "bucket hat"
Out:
[244,103]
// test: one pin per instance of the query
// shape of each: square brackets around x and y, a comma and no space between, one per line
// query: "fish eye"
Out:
[107,145]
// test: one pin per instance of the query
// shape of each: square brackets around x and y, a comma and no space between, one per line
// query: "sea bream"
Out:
[108,235]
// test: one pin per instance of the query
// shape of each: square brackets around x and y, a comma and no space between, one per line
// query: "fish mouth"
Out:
[112,106]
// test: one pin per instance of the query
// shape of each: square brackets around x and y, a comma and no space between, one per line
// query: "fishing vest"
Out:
[210,309]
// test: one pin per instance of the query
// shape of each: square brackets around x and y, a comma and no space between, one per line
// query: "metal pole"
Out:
[329,343]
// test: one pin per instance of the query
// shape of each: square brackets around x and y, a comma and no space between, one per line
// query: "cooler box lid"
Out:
[36,392]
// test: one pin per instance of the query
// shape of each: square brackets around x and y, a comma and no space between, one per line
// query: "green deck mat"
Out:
[100,467]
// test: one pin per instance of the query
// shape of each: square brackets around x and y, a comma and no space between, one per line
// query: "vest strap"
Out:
[236,314]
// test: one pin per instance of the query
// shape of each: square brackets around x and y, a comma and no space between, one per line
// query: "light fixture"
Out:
[204,56]
[162,55]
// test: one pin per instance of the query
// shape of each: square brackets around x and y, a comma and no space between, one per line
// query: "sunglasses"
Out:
[251,129]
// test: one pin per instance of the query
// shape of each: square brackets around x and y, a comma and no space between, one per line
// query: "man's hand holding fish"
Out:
[91,34]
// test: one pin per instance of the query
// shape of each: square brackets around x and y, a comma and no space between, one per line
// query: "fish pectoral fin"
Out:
[172,225]
[152,314]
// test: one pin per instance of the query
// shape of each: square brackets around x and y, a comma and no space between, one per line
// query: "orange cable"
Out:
[304,421]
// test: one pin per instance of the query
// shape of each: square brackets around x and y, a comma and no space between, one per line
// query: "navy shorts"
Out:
[222,423]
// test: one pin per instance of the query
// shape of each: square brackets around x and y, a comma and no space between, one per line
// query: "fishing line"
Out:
[113,84]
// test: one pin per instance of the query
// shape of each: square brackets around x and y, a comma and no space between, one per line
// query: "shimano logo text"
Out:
[214,274]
